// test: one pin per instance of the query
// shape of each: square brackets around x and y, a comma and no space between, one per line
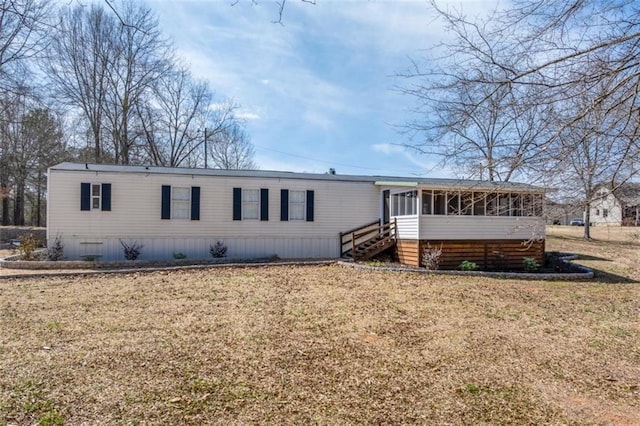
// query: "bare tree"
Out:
[281,5]
[173,118]
[232,149]
[78,61]
[140,58]
[559,79]
[592,153]
[22,35]
[481,131]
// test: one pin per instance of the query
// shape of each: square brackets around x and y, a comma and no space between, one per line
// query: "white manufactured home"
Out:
[93,207]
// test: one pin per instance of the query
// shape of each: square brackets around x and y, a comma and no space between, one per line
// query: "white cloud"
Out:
[387,148]
[247,115]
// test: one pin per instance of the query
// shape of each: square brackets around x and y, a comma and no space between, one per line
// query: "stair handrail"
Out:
[386,230]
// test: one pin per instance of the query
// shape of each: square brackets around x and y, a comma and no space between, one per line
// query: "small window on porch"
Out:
[466,203]
[427,202]
[404,203]
[504,205]
[492,205]
[440,202]
[453,203]
[516,205]
[478,203]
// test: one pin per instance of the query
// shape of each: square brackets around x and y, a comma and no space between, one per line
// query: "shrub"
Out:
[467,265]
[56,251]
[218,249]
[131,251]
[431,257]
[179,256]
[530,264]
[28,244]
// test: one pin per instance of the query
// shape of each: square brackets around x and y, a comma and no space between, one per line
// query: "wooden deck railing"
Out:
[351,239]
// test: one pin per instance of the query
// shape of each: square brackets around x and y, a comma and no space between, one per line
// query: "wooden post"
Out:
[353,246]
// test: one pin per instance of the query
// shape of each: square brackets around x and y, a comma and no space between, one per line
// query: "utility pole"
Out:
[206,153]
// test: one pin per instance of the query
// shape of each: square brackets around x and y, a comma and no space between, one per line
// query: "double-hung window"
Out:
[297,205]
[95,196]
[250,204]
[180,202]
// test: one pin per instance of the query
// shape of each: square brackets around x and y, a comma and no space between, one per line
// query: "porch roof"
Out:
[460,184]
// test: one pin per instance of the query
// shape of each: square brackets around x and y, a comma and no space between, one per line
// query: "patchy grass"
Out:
[327,345]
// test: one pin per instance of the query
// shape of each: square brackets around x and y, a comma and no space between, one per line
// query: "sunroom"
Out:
[494,225]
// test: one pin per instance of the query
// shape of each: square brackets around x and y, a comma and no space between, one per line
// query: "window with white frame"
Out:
[95,196]
[250,204]
[297,207]
[180,202]
[404,203]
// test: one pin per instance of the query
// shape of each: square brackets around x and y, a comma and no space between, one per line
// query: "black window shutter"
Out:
[106,197]
[195,203]
[166,202]
[284,204]
[264,204]
[310,206]
[85,196]
[237,203]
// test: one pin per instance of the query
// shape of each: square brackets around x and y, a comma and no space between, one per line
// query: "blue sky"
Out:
[318,91]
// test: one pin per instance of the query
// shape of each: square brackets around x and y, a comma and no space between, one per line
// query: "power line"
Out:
[333,163]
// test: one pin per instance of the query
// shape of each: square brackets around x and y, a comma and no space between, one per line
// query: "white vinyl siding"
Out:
[338,206]
[480,228]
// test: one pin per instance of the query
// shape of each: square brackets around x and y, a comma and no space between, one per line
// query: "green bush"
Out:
[467,265]
[56,251]
[530,264]
[179,256]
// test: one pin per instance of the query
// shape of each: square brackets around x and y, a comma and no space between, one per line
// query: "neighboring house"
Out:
[620,206]
[92,207]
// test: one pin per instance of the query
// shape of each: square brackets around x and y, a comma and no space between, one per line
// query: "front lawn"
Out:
[328,345]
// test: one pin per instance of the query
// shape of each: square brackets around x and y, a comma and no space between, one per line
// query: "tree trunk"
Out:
[38,200]
[587,222]
[18,207]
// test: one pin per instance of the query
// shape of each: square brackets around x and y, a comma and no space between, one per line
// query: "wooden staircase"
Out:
[367,240]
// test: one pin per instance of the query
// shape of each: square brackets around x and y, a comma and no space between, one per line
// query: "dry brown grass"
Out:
[326,345]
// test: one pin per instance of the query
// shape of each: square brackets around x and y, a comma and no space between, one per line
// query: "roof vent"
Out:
[332,171]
